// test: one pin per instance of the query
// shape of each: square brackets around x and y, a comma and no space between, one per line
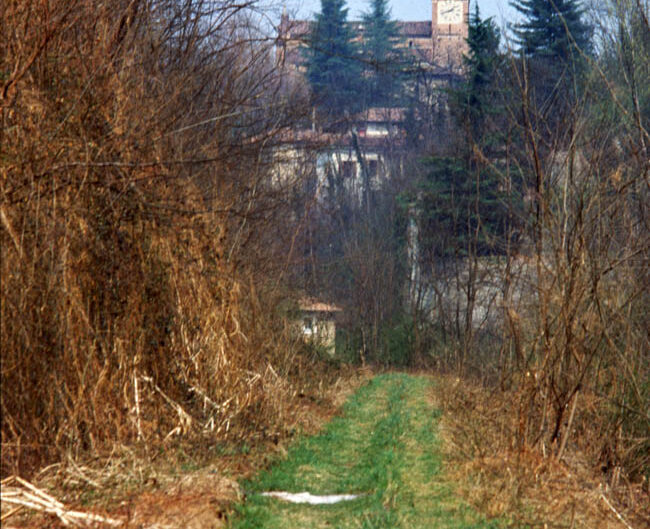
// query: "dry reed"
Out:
[140,289]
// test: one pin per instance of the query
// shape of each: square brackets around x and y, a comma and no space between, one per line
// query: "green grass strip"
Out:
[384,446]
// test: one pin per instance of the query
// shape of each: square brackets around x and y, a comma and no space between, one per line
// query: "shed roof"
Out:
[314,305]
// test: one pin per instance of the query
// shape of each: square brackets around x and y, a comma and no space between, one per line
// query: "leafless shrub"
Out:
[584,330]
[481,428]
[572,295]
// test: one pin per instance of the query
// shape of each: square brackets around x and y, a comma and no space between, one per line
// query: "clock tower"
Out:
[449,33]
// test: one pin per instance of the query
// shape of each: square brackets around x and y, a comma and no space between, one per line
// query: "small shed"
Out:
[317,323]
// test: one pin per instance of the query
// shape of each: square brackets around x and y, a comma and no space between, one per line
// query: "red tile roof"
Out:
[313,305]
[421,29]
[311,137]
[296,29]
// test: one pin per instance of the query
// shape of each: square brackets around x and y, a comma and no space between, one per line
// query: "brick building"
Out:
[370,151]
[437,44]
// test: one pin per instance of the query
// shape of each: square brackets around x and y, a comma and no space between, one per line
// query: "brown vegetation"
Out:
[504,479]
[186,484]
[557,317]
[141,254]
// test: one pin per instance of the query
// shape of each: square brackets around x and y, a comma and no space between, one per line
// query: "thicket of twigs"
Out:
[503,479]
[141,259]
[558,317]
[576,343]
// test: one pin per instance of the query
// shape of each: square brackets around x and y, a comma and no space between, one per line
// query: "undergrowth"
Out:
[141,260]
[501,477]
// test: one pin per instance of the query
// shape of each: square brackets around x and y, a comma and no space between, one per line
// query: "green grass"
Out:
[385,447]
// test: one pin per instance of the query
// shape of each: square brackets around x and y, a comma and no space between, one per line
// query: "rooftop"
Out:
[314,305]
[296,29]
[420,29]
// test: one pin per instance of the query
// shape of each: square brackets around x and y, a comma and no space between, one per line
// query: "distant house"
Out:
[359,153]
[360,157]
[382,123]
[317,323]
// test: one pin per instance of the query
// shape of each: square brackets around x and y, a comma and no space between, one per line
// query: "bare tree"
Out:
[583,330]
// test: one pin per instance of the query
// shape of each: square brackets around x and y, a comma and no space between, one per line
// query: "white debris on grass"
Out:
[311,499]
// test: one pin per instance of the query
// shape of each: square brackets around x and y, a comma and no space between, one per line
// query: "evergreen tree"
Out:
[383,59]
[463,211]
[552,29]
[333,66]
[477,97]
[553,39]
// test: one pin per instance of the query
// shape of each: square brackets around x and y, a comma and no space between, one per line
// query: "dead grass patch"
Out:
[520,484]
[186,483]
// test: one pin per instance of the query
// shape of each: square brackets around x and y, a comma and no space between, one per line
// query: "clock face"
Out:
[450,12]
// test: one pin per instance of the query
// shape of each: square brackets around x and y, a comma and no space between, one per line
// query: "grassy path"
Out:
[384,447]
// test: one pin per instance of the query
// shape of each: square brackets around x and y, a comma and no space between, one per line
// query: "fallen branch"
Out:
[26,495]
[185,418]
[618,515]
[11,513]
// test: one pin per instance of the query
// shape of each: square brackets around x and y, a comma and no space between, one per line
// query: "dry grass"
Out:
[525,486]
[141,264]
[191,483]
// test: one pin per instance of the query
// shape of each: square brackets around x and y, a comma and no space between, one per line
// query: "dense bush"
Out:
[137,233]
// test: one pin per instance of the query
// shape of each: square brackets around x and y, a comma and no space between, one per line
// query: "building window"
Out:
[348,169]
[307,327]
[373,168]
